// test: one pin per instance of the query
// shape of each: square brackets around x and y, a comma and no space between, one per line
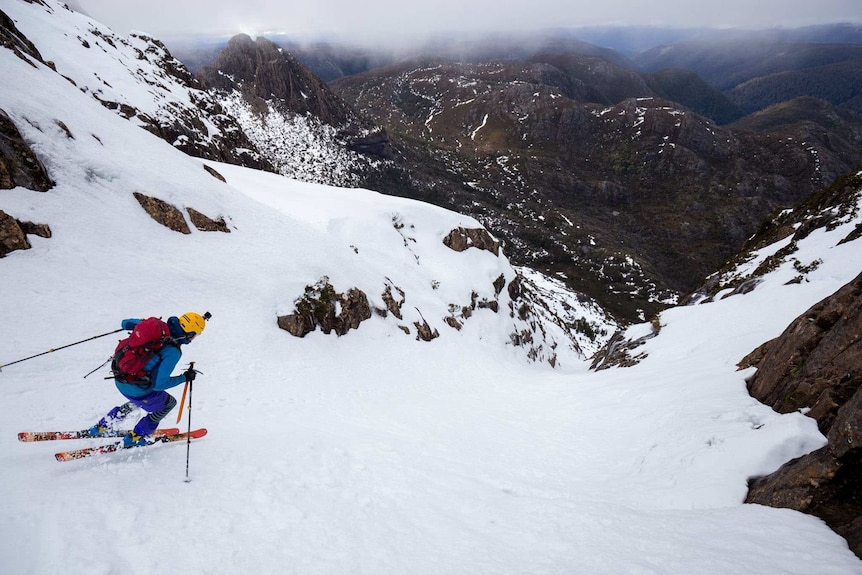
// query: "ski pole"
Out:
[53,349]
[185,389]
[182,402]
[189,436]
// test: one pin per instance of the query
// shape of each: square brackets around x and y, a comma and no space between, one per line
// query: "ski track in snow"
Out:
[370,453]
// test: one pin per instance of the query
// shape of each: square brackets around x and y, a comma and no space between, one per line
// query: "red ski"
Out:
[118,446]
[82,434]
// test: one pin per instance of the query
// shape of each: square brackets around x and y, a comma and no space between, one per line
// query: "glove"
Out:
[190,374]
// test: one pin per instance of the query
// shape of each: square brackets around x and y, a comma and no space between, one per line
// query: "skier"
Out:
[147,388]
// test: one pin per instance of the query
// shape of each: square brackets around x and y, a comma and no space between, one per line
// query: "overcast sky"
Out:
[383,19]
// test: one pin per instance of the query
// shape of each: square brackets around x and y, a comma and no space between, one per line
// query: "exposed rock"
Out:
[817,363]
[619,351]
[514,288]
[320,305]
[424,331]
[453,322]
[815,353]
[262,70]
[41,230]
[214,173]
[354,310]
[13,233]
[65,129]
[460,239]
[13,39]
[19,165]
[499,284]
[296,324]
[205,224]
[164,213]
[12,237]
[392,304]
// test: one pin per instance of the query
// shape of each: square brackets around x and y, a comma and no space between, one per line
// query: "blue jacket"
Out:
[159,368]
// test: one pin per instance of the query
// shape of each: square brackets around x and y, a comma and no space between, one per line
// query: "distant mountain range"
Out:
[630,176]
[630,173]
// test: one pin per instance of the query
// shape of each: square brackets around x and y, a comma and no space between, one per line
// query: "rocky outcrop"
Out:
[263,71]
[816,365]
[13,233]
[171,217]
[206,224]
[19,165]
[211,171]
[321,306]
[619,352]
[460,239]
[12,39]
[164,213]
[392,304]
[190,128]
[424,331]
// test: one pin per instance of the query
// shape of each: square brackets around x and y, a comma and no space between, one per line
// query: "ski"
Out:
[118,446]
[82,434]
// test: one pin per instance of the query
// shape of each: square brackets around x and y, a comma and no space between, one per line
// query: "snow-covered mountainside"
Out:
[291,115]
[453,280]
[137,78]
[300,146]
[373,452]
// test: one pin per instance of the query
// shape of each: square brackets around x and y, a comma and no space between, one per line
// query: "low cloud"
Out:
[386,21]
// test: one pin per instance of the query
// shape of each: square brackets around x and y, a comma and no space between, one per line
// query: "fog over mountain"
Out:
[384,21]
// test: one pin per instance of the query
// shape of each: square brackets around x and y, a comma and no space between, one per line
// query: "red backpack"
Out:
[134,352]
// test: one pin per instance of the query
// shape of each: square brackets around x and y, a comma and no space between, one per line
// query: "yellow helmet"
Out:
[192,322]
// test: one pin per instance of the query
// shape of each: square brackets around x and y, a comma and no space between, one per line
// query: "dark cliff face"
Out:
[262,70]
[817,364]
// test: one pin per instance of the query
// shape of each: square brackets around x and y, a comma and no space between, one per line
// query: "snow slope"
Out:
[135,76]
[373,452]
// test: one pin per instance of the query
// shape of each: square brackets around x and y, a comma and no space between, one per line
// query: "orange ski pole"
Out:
[183,402]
